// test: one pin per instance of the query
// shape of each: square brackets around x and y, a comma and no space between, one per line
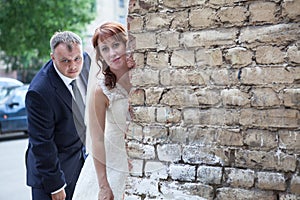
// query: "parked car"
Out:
[13,115]
[8,82]
[6,85]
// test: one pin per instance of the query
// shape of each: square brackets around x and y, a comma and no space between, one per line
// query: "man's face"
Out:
[69,63]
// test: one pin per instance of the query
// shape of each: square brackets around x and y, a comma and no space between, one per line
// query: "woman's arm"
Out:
[97,115]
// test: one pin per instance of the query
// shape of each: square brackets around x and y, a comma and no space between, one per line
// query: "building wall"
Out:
[215,100]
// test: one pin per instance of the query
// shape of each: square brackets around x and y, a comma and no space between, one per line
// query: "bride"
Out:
[106,168]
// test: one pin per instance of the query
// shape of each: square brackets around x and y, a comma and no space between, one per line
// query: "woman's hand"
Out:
[130,60]
[105,193]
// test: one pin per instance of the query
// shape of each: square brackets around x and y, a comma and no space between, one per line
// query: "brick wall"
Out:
[215,100]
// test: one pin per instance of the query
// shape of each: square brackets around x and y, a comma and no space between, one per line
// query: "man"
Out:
[56,129]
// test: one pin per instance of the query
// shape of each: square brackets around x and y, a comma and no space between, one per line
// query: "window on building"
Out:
[122,19]
[121,4]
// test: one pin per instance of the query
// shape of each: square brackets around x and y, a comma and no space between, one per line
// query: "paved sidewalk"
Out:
[12,170]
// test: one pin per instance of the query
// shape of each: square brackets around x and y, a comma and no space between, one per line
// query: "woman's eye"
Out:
[117,44]
[104,49]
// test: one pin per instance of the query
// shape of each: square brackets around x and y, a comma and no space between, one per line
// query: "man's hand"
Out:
[61,195]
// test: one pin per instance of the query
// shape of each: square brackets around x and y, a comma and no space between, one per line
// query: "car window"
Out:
[17,95]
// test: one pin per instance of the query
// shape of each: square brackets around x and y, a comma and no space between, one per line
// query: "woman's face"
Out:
[114,53]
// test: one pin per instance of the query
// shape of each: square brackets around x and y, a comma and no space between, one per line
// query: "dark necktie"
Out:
[78,97]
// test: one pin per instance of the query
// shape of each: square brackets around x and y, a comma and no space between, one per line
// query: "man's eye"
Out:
[65,61]
[77,59]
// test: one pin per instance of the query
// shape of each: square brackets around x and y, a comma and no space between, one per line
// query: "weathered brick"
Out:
[142,186]
[210,57]
[153,95]
[182,58]
[178,134]
[209,175]
[239,177]
[169,152]
[167,40]
[142,6]
[156,170]
[239,56]
[291,97]
[132,197]
[135,23]
[264,76]
[264,97]
[136,168]
[288,197]
[168,115]
[154,134]
[205,155]
[222,2]
[137,97]
[144,77]
[143,114]
[179,3]
[265,160]
[289,139]
[236,193]
[229,137]
[295,185]
[270,34]
[234,97]
[270,181]
[291,8]
[186,191]
[270,118]
[262,12]
[207,38]
[201,136]
[206,96]
[293,54]
[155,21]
[182,172]
[134,131]
[140,151]
[233,15]
[260,139]
[211,116]
[269,55]
[141,43]
[179,20]
[158,60]
[183,77]
[182,97]
[203,17]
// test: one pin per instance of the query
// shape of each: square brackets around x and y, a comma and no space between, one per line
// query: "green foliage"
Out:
[26,27]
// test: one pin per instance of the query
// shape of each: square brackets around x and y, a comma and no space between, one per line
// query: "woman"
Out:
[106,167]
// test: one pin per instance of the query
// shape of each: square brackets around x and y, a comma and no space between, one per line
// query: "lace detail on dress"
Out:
[114,94]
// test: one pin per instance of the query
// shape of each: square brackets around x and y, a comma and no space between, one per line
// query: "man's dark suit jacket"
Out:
[54,155]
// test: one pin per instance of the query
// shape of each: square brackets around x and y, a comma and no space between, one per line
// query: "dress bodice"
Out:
[115,126]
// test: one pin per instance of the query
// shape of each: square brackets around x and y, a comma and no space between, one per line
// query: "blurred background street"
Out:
[12,167]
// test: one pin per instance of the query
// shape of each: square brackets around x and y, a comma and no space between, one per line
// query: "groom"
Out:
[55,153]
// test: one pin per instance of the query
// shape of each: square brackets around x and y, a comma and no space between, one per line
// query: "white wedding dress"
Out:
[116,156]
